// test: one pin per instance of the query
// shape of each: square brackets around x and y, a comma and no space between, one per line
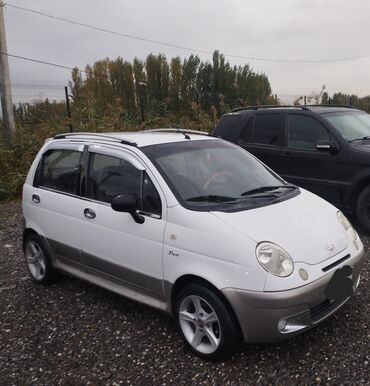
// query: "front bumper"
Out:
[262,315]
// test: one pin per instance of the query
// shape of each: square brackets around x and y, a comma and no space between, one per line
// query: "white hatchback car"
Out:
[192,225]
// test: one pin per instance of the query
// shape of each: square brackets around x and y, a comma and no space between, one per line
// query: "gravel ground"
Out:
[75,333]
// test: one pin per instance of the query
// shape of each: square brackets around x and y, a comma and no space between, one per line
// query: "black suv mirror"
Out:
[327,145]
[127,203]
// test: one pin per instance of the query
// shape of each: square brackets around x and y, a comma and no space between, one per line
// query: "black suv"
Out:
[324,149]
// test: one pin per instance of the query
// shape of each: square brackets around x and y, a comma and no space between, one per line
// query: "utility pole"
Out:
[68,107]
[5,89]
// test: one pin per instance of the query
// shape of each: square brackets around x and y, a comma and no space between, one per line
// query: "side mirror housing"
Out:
[127,203]
[327,146]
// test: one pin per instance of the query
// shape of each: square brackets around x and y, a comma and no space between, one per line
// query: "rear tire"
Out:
[363,209]
[206,324]
[38,261]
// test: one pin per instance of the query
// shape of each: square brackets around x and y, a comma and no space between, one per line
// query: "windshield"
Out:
[213,173]
[351,125]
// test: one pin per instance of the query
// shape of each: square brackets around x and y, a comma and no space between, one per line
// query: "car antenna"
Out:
[183,133]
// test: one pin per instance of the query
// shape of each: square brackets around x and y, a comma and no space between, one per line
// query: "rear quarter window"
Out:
[229,128]
[59,170]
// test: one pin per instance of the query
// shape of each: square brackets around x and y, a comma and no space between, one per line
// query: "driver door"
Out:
[305,166]
[114,246]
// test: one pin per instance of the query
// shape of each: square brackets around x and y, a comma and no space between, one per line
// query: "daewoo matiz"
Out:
[192,225]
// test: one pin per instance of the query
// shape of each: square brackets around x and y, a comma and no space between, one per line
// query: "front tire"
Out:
[38,261]
[363,209]
[206,323]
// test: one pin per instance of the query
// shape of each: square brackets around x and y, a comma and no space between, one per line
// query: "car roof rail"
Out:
[174,130]
[97,135]
[332,105]
[268,107]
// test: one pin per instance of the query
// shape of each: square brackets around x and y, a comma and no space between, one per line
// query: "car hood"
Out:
[306,226]
[362,145]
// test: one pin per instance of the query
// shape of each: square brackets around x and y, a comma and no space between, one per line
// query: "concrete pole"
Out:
[5,87]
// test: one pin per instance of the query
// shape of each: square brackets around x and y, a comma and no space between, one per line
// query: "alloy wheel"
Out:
[200,324]
[35,260]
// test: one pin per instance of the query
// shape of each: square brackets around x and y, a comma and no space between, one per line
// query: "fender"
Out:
[357,183]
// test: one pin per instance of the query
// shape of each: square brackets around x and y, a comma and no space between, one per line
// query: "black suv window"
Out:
[305,132]
[60,170]
[110,176]
[247,130]
[267,129]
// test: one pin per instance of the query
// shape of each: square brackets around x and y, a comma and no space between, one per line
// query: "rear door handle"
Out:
[36,198]
[287,153]
[89,213]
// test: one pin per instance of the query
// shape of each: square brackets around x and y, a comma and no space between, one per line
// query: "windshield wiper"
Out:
[211,198]
[264,189]
[359,139]
[254,193]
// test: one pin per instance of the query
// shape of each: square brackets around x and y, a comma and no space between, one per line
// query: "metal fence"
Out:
[34,93]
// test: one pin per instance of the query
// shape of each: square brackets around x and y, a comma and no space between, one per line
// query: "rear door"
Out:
[263,136]
[114,245]
[53,202]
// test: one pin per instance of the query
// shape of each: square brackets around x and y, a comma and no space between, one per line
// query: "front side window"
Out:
[305,132]
[110,176]
[268,129]
[60,170]
[151,202]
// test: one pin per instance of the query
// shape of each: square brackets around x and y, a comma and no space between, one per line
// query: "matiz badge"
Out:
[330,247]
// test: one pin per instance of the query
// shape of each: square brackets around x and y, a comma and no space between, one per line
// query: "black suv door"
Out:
[302,164]
[263,137]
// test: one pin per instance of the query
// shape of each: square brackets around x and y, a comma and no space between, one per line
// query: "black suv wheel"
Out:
[363,209]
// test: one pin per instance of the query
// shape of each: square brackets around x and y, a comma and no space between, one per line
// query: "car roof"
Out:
[139,138]
[331,109]
[319,109]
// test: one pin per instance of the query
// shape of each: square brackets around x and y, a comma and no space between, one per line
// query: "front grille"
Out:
[321,310]
[330,266]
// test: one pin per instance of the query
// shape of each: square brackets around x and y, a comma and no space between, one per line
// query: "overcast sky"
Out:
[284,29]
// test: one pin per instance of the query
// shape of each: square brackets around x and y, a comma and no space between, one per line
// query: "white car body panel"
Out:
[198,243]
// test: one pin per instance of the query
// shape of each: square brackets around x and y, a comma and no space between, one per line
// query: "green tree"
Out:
[175,82]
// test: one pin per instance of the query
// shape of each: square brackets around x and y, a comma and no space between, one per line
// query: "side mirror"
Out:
[327,145]
[127,203]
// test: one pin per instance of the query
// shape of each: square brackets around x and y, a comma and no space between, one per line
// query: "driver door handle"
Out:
[89,213]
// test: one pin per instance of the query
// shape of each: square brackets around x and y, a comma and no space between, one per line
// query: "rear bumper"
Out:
[262,315]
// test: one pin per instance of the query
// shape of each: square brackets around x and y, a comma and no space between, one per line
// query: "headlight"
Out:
[274,259]
[347,225]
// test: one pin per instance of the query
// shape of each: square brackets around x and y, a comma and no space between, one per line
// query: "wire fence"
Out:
[362,103]
[24,94]
[36,93]
[33,93]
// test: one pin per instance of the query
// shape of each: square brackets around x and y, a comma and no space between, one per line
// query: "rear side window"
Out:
[268,129]
[60,170]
